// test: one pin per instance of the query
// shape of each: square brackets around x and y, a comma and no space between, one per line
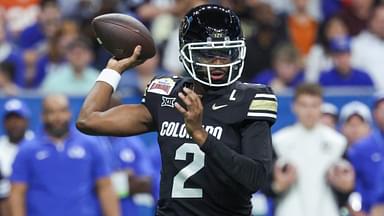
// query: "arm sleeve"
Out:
[21,170]
[250,168]
[267,189]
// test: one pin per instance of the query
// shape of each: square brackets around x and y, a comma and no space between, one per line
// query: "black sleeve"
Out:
[267,189]
[250,168]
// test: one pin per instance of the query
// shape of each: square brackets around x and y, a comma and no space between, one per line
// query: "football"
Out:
[120,34]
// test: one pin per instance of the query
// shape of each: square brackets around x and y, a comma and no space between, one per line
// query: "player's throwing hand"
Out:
[126,63]
[193,115]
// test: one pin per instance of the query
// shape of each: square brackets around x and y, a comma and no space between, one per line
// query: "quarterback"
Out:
[213,131]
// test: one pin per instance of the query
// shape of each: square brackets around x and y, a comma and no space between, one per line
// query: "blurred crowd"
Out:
[48,46]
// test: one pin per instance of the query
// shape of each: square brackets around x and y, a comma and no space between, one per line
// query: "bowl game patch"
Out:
[162,86]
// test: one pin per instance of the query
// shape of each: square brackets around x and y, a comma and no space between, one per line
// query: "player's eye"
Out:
[224,54]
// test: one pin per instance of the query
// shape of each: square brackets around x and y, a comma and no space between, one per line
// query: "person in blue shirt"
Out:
[48,23]
[367,157]
[154,152]
[132,171]
[286,71]
[343,74]
[378,205]
[61,172]
[15,116]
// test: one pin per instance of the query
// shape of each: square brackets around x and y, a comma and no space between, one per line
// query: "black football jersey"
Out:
[192,181]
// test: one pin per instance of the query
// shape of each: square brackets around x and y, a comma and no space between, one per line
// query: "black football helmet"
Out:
[212,47]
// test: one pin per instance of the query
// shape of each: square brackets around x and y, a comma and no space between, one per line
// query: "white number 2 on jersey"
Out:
[178,189]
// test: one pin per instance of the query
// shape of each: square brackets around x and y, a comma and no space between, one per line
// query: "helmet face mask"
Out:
[203,60]
[212,48]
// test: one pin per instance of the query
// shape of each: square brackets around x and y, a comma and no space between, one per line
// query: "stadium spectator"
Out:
[330,7]
[7,86]
[75,77]
[343,74]
[329,115]
[286,71]
[356,121]
[367,155]
[34,39]
[12,11]
[268,32]
[61,172]
[132,171]
[368,48]
[11,55]
[313,7]
[48,23]
[148,10]
[302,27]
[79,10]
[378,205]
[356,15]
[307,171]
[15,121]
[319,58]
[54,57]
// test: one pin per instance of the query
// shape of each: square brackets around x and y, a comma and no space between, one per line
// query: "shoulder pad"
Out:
[262,104]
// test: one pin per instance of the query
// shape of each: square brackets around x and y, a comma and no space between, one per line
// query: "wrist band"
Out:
[109,76]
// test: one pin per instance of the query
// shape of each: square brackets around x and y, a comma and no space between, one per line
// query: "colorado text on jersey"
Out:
[178,130]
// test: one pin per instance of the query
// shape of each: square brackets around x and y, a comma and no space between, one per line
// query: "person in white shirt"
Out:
[15,122]
[309,166]
[368,48]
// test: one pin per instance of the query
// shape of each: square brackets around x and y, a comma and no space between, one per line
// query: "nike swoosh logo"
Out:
[215,107]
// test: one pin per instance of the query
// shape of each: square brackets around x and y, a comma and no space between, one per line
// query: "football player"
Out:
[213,131]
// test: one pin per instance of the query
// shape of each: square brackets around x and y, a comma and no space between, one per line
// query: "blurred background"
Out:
[49,46]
